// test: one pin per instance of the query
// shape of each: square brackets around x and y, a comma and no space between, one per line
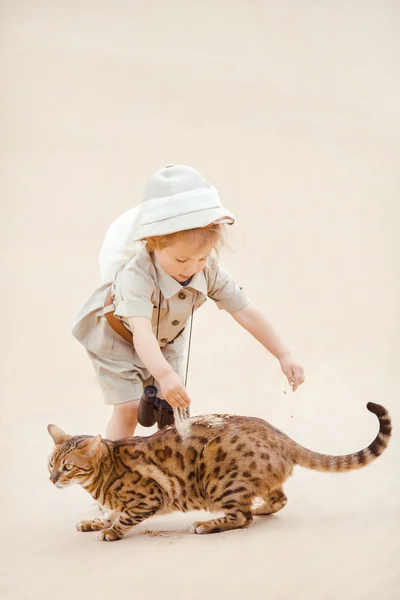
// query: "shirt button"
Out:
[182,295]
[164,340]
[175,322]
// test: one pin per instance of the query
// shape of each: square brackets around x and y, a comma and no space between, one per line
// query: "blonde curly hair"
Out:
[199,237]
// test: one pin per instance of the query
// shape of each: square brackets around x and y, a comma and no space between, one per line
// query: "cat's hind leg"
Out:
[271,503]
[98,524]
[236,517]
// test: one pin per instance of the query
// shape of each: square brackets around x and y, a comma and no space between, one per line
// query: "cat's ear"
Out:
[92,445]
[59,436]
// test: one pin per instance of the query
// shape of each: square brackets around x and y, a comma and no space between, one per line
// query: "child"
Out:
[180,224]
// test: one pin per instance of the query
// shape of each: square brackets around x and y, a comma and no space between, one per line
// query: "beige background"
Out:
[291,109]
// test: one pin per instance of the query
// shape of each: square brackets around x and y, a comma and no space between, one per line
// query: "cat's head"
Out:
[73,459]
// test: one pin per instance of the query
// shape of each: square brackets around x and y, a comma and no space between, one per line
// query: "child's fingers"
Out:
[173,399]
[297,377]
[180,399]
[172,402]
[184,395]
[184,398]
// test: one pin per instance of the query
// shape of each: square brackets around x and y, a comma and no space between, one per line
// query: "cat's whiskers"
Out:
[60,485]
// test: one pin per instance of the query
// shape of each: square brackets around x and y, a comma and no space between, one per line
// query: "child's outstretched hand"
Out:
[174,391]
[293,371]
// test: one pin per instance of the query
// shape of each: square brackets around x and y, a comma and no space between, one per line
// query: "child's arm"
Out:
[149,351]
[253,320]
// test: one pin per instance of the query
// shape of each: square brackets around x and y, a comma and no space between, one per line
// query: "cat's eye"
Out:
[68,466]
[51,464]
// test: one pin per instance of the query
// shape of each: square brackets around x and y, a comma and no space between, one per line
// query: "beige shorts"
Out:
[120,371]
[121,380]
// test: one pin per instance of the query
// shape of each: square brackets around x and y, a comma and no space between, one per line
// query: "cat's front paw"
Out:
[108,535]
[198,527]
[90,525]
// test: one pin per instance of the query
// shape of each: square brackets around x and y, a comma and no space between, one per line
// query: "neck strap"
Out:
[190,336]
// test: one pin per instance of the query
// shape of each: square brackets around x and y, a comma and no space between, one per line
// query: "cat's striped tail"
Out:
[325,462]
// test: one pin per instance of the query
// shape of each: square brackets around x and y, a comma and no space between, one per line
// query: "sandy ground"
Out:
[291,110]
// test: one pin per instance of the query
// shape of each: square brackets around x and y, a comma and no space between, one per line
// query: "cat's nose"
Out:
[54,476]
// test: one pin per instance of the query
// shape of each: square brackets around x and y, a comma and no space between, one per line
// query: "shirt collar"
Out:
[198,283]
[169,286]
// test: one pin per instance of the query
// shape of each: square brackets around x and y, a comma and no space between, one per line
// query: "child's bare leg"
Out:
[123,421]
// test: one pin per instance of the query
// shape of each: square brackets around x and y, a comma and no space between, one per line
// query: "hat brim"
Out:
[192,220]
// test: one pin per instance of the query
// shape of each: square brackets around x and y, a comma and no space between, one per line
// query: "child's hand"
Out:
[293,371]
[174,391]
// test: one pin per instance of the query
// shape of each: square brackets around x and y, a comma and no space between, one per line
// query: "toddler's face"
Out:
[182,259]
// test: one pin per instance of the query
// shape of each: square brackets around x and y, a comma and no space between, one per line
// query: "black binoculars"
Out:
[154,410]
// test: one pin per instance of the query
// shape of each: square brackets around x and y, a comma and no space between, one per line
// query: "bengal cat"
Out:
[223,465]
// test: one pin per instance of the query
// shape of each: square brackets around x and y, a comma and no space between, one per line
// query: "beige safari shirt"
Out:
[141,283]
[139,286]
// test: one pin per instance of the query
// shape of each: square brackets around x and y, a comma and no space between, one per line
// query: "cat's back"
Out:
[198,432]
[185,444]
